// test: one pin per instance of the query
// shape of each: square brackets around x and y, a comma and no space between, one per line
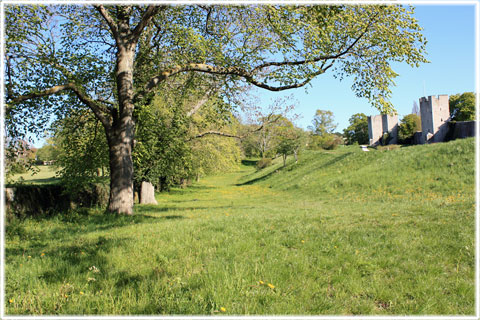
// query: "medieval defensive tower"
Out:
[435,113]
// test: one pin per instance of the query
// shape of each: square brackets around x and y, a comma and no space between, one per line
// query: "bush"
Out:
[263,163]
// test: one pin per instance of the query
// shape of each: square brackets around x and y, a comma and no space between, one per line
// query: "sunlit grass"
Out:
[39,175]
[342,232]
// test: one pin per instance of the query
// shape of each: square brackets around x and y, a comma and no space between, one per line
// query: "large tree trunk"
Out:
[121,137]
[121,172]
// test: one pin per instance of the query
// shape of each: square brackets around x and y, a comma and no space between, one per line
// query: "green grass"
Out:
[341,232]
[40,175]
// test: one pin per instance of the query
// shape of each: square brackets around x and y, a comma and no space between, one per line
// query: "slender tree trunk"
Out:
[284,160]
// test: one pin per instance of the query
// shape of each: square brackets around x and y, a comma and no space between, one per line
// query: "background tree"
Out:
[410,124]
[289,140]
[48,152]
[323,123]
[357,131]
[322,129]
[62,55]
[462,106]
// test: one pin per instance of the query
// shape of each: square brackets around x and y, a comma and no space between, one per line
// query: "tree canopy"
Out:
[112,59]
[462,106]
[357,131]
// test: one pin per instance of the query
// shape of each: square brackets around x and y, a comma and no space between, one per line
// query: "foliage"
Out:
[323,123]
[82,152]
[462,106]
[357,131]
[289,140]
[410,124]
[263,163]
[167,152]
[48,152]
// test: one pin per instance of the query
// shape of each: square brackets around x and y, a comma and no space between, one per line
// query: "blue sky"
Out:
[450,31]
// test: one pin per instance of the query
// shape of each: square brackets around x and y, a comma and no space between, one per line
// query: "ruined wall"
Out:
[36,200]
[375,129]
[390,125]
[463,129]
[435,114]
[379,124]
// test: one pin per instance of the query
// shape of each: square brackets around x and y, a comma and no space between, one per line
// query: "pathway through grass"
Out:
[254,243]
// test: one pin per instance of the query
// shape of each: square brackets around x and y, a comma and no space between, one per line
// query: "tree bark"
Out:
[121,173]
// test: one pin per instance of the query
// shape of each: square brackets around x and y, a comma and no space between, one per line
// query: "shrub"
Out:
[263,163]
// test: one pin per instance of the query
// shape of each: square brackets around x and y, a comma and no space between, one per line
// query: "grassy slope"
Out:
[343,232]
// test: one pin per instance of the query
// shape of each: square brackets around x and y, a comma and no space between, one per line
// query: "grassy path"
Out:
[289,243]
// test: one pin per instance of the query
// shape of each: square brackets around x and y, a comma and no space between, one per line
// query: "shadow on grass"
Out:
[249,162]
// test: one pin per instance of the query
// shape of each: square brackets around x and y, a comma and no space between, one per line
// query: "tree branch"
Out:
[319,58]
[200,67]
[100,111]
[147,16]
[223,134]
[108,18]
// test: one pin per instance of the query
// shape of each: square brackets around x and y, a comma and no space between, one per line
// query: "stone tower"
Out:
[380,124]
[435,113]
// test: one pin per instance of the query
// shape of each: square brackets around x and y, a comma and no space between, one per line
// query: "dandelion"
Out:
[10,301]
[81,293]
[271,286]
[261,282]
[222,309]
[66,296]
[303,241]
[43,253]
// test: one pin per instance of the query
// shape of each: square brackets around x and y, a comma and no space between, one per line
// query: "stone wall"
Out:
[379,124]
[33,200]
[463,129]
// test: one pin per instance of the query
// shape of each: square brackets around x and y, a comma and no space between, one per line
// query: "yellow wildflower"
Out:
[29,257]
[81,293]
[11,300]
[43,253]
[271,286]
[261,282]
[303,241]
[356,251]
[66,296]
[222,309]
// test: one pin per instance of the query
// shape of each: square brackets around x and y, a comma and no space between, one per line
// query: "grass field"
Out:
[41,175]
[341,232]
